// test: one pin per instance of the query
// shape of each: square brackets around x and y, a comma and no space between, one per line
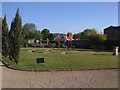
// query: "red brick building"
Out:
[112,32]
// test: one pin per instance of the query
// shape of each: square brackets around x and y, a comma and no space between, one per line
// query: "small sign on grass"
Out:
[40,60]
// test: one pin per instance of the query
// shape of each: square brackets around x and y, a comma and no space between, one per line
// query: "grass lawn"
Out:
[76,59]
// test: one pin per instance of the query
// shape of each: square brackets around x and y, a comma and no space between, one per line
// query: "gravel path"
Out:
[61,79]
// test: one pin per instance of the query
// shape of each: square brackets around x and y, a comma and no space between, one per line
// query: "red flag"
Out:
[58,37]
[69,38]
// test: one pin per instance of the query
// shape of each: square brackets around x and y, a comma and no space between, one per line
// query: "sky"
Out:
[60,0]
[63,17]
[119,13]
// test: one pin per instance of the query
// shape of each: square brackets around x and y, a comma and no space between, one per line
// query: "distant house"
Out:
[112,32]
[31,41]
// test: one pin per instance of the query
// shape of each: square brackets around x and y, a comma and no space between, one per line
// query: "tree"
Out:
[45,33]
[5,44]
[38,35]
[76,36]
[96,39]
[51,36]
[14,35]
[86,33]
[29,31]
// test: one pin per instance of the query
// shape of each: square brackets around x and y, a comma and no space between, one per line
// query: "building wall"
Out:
[113,33]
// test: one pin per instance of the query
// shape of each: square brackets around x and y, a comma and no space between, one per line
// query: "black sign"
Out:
[40,60]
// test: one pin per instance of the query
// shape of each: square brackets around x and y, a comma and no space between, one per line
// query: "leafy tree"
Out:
[76,36]
[45,33]
[15,37]
[38,35]
[96,39]
[28,31]
[86,33]
[5,44]
[51,36]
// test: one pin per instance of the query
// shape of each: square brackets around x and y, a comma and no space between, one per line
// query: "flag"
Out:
[69,38]
[58,38]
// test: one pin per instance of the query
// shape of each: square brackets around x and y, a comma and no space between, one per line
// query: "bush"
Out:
[51,45]
[96,39]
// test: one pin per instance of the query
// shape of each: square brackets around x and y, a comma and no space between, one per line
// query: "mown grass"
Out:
[55,60]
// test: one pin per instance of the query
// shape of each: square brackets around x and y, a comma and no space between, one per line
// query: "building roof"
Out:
[118,27]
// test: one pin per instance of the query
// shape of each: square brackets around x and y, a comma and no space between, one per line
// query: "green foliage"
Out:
[86,33]
[96,39]
[38,35]
[51,36]
[52,45]
[5,44]
[76,36]
[89,39]
[45,33]
[29,30]
[15,37]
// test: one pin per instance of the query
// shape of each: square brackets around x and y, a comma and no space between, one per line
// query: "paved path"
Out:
[61,79]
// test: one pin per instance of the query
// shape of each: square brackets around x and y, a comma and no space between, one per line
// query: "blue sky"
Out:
[119,13]
[64,17]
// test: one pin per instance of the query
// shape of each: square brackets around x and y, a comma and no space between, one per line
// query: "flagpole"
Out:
[59,44]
